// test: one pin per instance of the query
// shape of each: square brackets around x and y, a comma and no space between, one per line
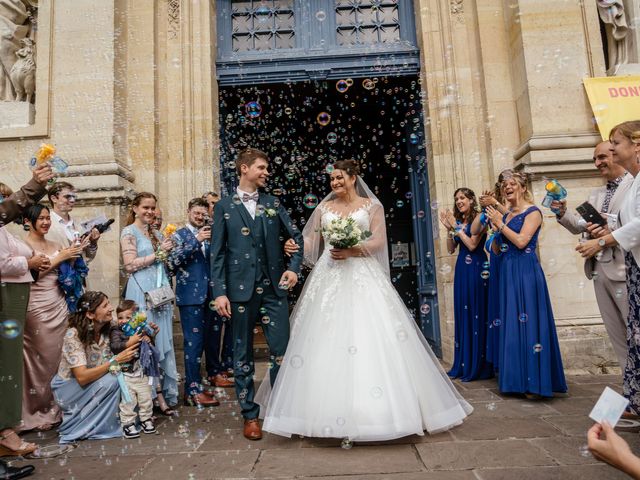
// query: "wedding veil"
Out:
[375,246]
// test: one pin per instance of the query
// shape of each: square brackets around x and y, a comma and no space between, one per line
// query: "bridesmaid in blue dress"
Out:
[495,199]
[469,290]
[529,353]
[143,252]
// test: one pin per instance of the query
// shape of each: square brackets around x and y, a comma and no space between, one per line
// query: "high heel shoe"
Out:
[24,448]
[160,406]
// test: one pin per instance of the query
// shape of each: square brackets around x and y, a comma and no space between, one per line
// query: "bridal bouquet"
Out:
[344,233]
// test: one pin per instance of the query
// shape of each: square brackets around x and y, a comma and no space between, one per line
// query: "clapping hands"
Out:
[447,219]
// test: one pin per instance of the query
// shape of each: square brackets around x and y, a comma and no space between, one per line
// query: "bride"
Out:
[356,366]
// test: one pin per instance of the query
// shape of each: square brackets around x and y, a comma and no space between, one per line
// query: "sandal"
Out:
[163,408]
[24,448]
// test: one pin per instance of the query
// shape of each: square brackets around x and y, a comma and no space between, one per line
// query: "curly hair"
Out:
[473,208]
[87,303]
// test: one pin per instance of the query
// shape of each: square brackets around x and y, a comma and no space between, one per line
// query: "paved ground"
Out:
[505,438]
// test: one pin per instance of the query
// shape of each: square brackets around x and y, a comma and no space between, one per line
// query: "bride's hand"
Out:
[344,253]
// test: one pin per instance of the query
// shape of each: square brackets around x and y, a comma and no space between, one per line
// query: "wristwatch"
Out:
[602,242]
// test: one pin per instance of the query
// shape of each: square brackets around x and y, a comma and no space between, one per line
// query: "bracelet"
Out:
[501,227]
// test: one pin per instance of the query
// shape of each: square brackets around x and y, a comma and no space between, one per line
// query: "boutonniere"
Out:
[270,212]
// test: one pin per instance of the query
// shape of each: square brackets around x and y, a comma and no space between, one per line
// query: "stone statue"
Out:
[613,16]
[17,24]
[23,72]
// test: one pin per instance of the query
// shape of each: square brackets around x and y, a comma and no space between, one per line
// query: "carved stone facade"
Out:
[132,105]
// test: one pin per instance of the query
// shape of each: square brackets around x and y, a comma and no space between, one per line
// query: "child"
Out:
[137,382]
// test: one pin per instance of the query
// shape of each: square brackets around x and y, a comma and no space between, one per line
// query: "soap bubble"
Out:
[323,119]
[329,169]
[296,361]
[245,231]
[342,86]
[10,329]
[310,200]
[352,350]
[497,322]
[468,260]
[399,204]
[253,109]
[504,247]
[491,406]
[332,137]
[414,139]
[265,320]
[368,84]
[537,348]
[523,318]
[376,392]
[425,308]
[346,444]
[241,309]
[445,268]
[321,16]
[485,274]
[420,214]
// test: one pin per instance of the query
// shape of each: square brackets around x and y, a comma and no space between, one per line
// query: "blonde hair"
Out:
[523,181]
[630,130]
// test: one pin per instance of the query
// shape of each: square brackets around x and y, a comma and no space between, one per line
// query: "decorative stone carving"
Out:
[18,20]
[174,19]
[614,18]
[23,72]
[456,7]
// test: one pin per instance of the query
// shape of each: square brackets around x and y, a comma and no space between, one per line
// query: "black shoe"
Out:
[148,426]
[130,431]
[13,473]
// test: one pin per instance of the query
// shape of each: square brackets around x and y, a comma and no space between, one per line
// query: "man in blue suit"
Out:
[248,275]
[202,329]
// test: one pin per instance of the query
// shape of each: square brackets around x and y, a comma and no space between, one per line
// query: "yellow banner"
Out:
[613,100]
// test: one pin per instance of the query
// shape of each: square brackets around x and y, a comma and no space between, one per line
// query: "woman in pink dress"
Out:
[45,326]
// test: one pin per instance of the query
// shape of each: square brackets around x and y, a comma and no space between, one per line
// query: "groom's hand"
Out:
[290,247]
[223,306]
[288,280]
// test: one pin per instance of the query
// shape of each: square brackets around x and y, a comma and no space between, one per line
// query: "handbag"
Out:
[158,296]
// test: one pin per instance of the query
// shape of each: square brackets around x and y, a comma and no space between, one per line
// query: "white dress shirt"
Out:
[250,205]
[195,231]
[68,227]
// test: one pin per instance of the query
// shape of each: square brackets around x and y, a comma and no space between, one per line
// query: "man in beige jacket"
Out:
[607,270]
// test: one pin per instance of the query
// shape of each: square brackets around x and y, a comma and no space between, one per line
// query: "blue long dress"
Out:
[144,280]
[530,360]
[470,313]
[493,306]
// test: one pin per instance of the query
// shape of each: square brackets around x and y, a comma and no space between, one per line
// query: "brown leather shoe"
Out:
[252,430]
[221,380]
[201,399]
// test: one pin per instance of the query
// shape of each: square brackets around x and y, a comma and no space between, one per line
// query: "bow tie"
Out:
[247,197]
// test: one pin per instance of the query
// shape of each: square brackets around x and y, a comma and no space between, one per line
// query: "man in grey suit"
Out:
[607,270]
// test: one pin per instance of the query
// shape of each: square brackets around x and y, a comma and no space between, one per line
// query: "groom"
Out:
[248,276]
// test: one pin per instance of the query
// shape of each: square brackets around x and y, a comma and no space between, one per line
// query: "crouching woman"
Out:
[86,387]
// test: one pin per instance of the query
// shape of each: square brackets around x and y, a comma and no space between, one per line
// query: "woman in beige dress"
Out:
[45,326]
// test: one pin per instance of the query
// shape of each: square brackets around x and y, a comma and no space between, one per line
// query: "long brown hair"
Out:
[473,208]
[131,216]
[497,189]
[88,302]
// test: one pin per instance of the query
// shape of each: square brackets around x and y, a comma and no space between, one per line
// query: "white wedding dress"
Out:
[357,366]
